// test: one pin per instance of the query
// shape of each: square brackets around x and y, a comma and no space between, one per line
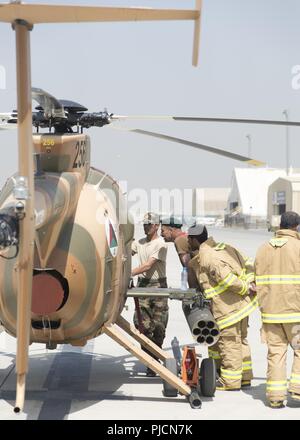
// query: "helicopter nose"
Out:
[48,294]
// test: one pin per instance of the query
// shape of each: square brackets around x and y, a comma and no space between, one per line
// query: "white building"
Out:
[210,202]
[248,199]
[283,195]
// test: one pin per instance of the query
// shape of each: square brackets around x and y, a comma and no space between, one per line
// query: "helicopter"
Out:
[66,257]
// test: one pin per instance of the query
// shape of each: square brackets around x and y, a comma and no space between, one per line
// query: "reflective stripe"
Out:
[247,366]
[276,382]
[213,354]
[264,280]
[221,287]
[244,289]
[271,318]
[295,378]
[220,247]
[276,385]
[278,242]
[225,284]
[276,388]
[243,274]
[247,277]
[238,316]
[250,277]
[231,374]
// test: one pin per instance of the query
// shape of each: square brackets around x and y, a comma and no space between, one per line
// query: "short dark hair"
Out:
[289,220]
[172,222]
[199,232]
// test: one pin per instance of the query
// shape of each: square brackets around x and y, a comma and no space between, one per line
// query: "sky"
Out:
[247,52]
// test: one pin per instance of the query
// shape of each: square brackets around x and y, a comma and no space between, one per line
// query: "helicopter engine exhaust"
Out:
[9,229]
[50,291]
[202,324]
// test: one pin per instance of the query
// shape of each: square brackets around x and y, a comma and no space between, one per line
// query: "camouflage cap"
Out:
[151,218]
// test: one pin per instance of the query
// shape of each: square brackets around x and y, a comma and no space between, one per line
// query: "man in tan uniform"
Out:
[172,233]
[152,255]
[277,270]
[222,276]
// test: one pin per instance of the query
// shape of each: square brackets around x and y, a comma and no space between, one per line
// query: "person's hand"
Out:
[252,288]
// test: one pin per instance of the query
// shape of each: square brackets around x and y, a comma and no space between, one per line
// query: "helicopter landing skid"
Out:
[174,381]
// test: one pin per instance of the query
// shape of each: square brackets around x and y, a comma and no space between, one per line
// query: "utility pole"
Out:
[285,113]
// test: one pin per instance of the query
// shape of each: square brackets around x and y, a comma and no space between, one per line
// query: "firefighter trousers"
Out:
[232,355]
[278,337]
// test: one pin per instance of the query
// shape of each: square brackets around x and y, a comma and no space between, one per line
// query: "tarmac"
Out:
[104,382]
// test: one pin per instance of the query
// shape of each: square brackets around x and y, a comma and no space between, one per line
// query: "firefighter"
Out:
[222,275]
[277,271]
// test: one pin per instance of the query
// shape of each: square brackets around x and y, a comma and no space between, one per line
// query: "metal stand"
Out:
[145,358]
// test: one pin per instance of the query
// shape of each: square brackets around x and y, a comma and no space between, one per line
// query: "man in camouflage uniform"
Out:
[151,315]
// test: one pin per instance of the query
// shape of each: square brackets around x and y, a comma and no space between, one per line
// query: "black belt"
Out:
[144,282]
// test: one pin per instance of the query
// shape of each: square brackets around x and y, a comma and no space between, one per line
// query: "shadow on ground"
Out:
[76,376]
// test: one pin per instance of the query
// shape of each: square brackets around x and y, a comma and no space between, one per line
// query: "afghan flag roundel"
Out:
[111,236]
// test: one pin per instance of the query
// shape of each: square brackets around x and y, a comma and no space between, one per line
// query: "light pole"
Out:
[285,113]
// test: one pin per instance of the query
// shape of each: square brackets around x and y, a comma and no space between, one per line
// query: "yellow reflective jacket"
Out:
[277,274]
[224,276]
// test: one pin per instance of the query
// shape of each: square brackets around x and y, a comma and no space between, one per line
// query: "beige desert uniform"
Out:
[154,311]
[277,270]
[182,245]
[222,275]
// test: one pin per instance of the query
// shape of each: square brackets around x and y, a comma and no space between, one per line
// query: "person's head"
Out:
[197,234]
[170,228]
[290,220]
[151,224]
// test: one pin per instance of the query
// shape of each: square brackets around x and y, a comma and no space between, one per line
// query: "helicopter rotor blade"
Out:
[39,13]
[24,265]
[200,119]
[213,150]
[238,121]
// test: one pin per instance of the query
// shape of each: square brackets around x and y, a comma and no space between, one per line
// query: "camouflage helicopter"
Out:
[66,256]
